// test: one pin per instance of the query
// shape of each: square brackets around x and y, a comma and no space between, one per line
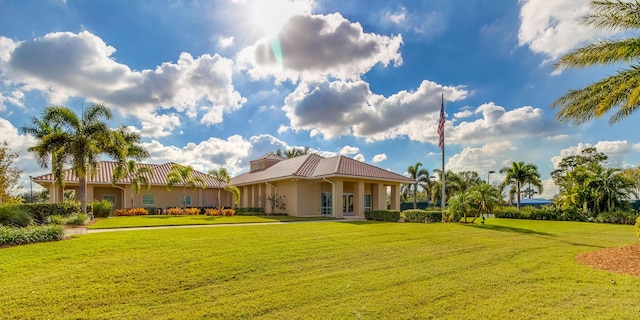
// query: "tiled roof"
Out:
[315,166]
[105,171]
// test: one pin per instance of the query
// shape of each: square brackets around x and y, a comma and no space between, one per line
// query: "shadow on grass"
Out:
[508,229]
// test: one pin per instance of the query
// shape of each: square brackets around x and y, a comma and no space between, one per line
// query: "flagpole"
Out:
[442,182]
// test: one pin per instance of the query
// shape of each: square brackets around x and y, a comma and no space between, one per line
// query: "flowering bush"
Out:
[183,212]
[212,212]
[132,212]
[228,212]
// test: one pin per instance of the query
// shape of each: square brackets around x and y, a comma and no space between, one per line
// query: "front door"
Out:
[347,203]
[325,204]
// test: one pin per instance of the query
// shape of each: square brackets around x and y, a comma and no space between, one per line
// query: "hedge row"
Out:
[14,236]
[422,216]
[40,212]
[552,213]
[382,215]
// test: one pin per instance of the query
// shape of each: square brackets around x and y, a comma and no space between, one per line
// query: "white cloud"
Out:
[379,157]
[552,27]
[558,137]
[338,108]
[491,156]
[359,157]
[463,114]
[225,42]
[317,46]
[349,150]
[397,17]
[64,65]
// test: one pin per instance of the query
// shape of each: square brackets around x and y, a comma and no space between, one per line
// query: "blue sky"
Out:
[219,83]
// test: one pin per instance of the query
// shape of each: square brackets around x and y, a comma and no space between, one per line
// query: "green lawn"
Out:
[508,269]
[162,220]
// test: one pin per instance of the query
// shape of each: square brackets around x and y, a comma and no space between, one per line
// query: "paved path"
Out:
[84,230]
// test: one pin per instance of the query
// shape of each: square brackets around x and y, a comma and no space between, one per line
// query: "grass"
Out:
[164,220]
[507,269]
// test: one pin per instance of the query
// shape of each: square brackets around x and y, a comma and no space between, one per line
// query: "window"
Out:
[185,200]
[109,197]
[367,202]
[148,200]
[325,203]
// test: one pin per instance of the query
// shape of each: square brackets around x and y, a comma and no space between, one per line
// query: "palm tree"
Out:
[39,128]
[620,92]
[485,197]
[139,175]
[79,142]
[292,153]
[517,175]
[179,174]
[222,175]
[610,188]
[421,178]
[460,203]
[453,184]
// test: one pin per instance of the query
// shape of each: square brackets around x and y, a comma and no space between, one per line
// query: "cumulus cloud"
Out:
[359,157]
[491,156]
[397,18]
[617,152]
[338,108]
[379,157]
[497,122]
[317,46]
[65,64]
[19,143]
[349,150]
[552,27]
[224,42]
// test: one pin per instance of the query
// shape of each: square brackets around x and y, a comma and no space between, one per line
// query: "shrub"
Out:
[619,217]
[77,219]
[637,227]
[14,216]
[56,219]
[40,212]
[382,215]
[101,209]
[256,211]
[509,212]
[132,212]
[422,216]
[212,212]
[183,211]
[14,236]
[228,212]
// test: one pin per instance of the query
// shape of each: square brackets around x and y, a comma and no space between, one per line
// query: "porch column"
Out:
[379,197]
[395,197]
[358,199]
[337,190]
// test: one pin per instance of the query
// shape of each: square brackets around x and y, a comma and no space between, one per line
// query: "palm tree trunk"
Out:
[219,204]
[83,194]
[518,195]
[415,201]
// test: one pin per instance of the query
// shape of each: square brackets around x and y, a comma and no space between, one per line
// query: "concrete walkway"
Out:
[84,230]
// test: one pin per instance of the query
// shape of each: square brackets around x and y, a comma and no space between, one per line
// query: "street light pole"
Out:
[488,173]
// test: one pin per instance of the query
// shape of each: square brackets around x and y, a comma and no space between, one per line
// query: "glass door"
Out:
[325,204]
[347,203]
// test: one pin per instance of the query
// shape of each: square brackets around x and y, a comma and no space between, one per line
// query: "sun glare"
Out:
[268,17]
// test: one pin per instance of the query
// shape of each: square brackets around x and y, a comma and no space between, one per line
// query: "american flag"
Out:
[441,125]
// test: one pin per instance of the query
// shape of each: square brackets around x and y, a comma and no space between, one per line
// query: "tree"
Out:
[484,197]
[453,184]
[518,174]
[222,175]
[179,174]
[79,142]
[421,178]
[610,189]
[139,176]
[460,204]
[39,128]
[633,175]
[293,152]
[9,173]
[619,92]
[574,176]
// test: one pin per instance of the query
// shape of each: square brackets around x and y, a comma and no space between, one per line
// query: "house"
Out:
[122,195]
[312,185]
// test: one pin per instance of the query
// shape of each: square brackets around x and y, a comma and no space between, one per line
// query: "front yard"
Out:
[507,269]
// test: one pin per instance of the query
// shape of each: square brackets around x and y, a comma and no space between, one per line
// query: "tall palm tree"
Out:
[610,188]
[39,128]
[619,92]
[139,175]
[80,141]
[222,175]
[179,174]
[518,174]
[421,178]
[453,184]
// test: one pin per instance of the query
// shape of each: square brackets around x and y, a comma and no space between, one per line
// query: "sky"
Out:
[218,83]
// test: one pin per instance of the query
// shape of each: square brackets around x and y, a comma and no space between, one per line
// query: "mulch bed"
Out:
[620,260]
